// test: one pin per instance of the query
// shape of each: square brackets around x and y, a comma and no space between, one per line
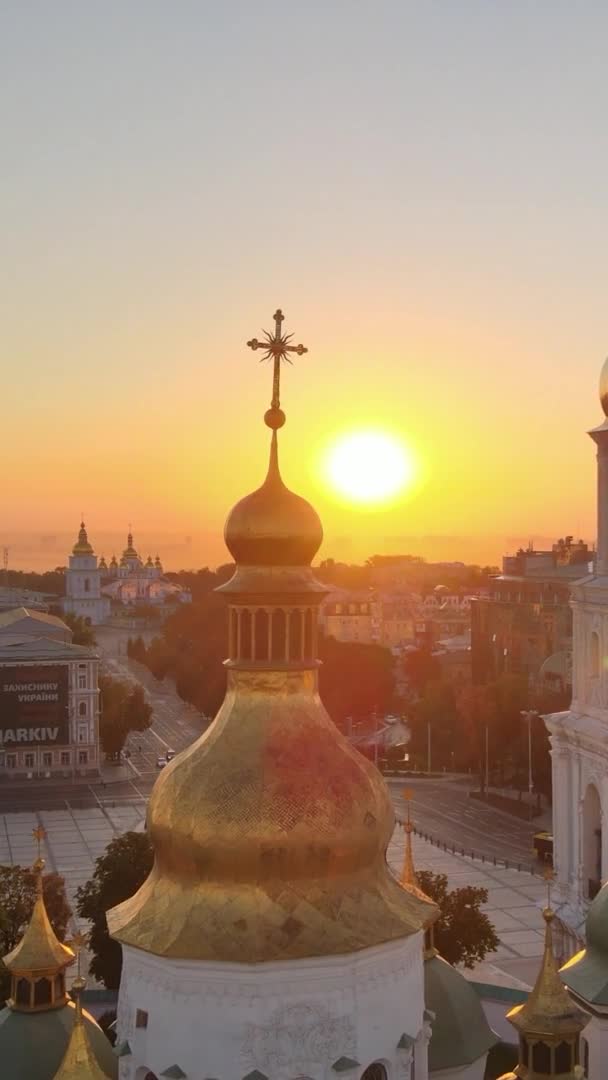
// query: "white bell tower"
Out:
[579,738]
[83,583]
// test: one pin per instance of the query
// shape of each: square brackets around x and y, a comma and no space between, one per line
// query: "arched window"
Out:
[59,987]
[42,992]
[87,585]
[308,635]
[261,635]
[563,1058]
[523,1051]
[22,992]
[375,1072]
[295,635]
[82,708]
[541,1058]
[278,635]
[234,622]
[592,841]
[245,635]
[594,655]
[585,1055]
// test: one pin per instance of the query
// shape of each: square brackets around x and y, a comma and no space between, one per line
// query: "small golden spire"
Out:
[408,874]
[39,952]
[79,1061]
[409,880]
[549,1010]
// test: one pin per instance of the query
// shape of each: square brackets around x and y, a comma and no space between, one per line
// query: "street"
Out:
[441,808]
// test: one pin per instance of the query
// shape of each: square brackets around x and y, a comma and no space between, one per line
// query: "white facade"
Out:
[294,1020]
[83,584]
[579,737]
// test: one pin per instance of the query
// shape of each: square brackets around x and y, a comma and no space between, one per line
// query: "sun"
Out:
[371,468]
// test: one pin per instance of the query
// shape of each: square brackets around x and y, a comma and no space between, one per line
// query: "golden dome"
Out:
[273,526]
[269,832]
[82,546]
[269,836]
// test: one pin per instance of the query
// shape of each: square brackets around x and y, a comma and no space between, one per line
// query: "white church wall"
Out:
[287,1020]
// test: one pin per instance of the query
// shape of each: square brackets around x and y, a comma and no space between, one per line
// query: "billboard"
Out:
[34,706]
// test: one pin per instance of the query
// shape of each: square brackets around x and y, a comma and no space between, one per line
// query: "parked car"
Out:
[161,762]
[169,754]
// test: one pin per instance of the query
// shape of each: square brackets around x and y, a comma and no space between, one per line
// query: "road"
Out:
[446,812]
[442,809]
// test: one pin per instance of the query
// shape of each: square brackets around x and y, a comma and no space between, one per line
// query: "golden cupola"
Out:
[270,831]
[82,545]
[37,963]
[549,1023]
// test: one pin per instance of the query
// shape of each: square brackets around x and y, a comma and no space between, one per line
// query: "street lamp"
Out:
[528,714]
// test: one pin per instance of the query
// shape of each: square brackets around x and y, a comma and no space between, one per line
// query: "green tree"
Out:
[355,679]
[421,667]
[82,632]
[463,934]
[118,874]
[437,709]
[17,897]
[138,713]
[123,709]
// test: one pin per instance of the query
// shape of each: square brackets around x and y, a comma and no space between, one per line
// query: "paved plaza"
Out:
[75,839]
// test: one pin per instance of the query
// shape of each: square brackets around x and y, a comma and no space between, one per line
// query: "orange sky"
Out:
[432,226]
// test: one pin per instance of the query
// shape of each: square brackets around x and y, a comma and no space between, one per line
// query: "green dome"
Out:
[32,1044]
[587,972]
[460,1032]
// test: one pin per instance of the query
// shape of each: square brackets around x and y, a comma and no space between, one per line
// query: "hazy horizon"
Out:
[421,187]
[177,552]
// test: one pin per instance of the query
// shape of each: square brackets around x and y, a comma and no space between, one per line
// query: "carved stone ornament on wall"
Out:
[296,1039]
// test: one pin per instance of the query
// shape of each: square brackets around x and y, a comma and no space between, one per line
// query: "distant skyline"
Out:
[423,189]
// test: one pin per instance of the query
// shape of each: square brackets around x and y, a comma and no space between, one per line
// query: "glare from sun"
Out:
[370,467]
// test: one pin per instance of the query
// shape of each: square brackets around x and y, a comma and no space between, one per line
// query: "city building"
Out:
[349,616]
[49,699]
[579,736]
[12,597]
[526,619]
[83,583]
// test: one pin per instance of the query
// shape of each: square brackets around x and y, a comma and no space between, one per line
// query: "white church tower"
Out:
[271,940]
[579,738]
[83,583]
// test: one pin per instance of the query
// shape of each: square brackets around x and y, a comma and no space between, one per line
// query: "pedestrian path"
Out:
[76,838]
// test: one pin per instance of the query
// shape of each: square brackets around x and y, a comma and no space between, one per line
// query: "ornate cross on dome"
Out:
[278,348]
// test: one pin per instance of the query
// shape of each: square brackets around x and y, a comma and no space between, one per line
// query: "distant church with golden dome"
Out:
[92,587]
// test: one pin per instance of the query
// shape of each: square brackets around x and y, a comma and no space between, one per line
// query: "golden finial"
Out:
[39,834]
[277,348]
[79,1061]
[78,943]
